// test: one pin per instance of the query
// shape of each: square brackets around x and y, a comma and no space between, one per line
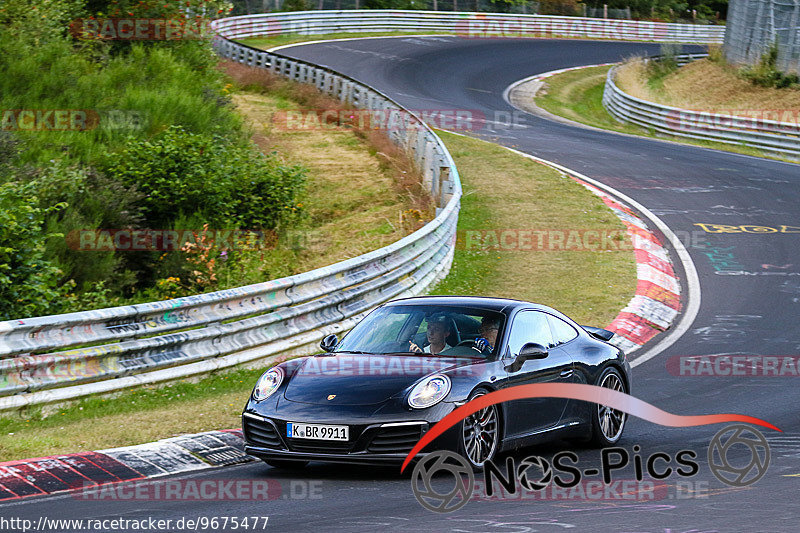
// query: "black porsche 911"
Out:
[371,396]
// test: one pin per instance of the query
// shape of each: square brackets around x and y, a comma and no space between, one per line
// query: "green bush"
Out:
[29,283]
[93,201]
[766,74]
[716,54]
[226,185]
[36,24]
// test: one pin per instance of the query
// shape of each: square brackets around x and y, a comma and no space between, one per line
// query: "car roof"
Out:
[483,302]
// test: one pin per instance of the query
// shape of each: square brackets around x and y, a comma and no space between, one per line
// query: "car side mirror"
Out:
[530,350]
[329,342]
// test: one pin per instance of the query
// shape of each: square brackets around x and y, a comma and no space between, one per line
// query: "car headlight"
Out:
[429,391]
[268,383]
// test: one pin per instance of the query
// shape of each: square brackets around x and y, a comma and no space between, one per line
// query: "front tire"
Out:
[608,423]
[479,436]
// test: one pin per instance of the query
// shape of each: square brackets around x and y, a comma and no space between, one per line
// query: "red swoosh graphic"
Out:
[589,393]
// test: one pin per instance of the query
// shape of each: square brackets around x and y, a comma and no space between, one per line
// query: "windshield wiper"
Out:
[352,352]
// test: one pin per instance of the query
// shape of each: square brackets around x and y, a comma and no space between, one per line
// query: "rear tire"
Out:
[286,464]
[608,423]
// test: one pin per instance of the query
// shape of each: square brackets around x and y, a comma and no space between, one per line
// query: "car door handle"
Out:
[566,373]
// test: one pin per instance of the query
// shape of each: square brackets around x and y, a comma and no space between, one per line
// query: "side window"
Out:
[529,326]
[562,332]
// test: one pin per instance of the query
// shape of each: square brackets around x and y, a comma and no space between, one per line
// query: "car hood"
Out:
[361,379]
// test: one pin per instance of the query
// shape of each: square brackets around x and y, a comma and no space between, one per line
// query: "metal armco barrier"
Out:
[467,25]
[61,357]
[757,132]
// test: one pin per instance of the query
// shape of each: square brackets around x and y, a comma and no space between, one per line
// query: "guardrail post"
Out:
[335,86]
[428,173]
[446,185]
[419,146]
[346,88]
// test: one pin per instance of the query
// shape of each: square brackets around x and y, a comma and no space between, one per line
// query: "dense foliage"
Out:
[156,144]
[668,10]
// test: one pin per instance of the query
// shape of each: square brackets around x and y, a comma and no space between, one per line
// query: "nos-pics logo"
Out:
[738,456]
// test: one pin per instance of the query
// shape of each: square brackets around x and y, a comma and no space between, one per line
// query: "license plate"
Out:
[298,430]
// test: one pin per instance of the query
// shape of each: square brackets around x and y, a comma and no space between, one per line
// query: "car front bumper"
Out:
[375,443]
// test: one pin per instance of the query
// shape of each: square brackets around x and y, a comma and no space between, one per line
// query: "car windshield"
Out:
[434,330]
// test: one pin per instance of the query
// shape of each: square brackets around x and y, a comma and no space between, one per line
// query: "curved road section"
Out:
[739,218]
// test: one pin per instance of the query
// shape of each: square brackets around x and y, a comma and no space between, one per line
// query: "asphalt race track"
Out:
[750,287]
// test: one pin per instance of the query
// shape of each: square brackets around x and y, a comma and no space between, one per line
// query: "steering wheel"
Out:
[466,343]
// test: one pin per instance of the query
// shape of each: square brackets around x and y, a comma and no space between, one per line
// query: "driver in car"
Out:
[488,330]
[437,332]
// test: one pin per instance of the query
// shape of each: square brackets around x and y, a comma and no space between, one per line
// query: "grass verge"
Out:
[131,417]
[578,95]
[502,190]
[506,191]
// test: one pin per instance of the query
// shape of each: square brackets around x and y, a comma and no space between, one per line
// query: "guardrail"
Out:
[767,135]
[464,24]
[165,340]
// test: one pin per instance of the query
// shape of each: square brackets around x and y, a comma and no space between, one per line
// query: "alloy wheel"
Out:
[611,420]
[480,433]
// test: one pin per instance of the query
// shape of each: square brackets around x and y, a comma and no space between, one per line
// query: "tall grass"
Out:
[157,85]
